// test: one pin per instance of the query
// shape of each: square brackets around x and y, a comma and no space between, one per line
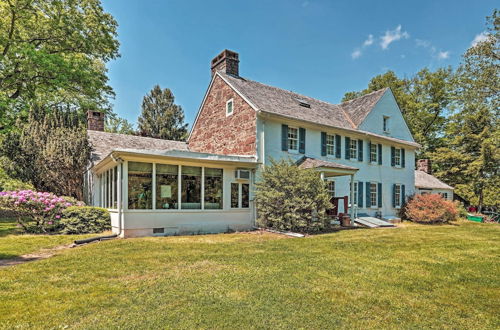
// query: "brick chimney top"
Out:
[95,120]
[424,165]
[227,61]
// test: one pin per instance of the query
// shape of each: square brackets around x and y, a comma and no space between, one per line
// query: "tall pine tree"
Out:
[161,117]
[471,158]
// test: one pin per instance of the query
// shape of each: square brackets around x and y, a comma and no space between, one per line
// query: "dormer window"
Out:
[229,107]
[385,124]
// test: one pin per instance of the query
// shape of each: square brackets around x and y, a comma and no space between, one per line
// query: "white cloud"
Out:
[369,41]
[479,38]
[443,55]
[422,43]
[355,54]
[393,35]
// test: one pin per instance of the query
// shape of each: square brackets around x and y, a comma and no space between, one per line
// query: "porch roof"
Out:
[326,166]
[175,155]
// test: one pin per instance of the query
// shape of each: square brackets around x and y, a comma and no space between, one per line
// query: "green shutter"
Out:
[347,147]
[394,195]
[338,146]
[393,154]
[323,144]
[284,137]
[403,194]
[379,195]
[402,157]
[360,150]
[302,140]
[380,154]
[368,199]
[369,151]
[360,194]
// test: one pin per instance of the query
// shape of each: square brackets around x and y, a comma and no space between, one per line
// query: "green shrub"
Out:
[85,220]
[430,208]
[8,184]
[289,198]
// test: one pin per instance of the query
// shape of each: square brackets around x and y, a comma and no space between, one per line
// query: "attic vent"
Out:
[303,103]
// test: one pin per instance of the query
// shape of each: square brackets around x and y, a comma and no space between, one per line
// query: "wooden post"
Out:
[352,199]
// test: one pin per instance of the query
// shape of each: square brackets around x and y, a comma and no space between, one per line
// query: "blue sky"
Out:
[318,48]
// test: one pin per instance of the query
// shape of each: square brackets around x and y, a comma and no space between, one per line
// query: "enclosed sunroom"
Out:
[174,192]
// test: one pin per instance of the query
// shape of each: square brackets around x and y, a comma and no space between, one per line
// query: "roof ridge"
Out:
[135,136]
[362,96]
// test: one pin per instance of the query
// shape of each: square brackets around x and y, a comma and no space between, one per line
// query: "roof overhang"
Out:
[358,133]
[180,156]
[329,169]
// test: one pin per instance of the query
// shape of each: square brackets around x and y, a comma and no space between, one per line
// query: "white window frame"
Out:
[373,152]
[289,139]
[374,193]
[397,157]
[230,101]
[353,149]
[330,145]
[329,185]
[240,195]
[398,200]
[385,124]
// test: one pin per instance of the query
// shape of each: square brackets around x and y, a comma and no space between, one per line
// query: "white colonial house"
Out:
[362,147]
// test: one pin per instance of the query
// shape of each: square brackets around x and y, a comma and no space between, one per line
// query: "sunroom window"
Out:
[213,188]
[140,184]
[191,187]
[240,195]
[167,181]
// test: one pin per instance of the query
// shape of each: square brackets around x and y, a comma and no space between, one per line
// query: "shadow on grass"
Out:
[8,227]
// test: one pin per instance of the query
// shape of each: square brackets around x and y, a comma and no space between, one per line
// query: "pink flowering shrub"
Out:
[36,212]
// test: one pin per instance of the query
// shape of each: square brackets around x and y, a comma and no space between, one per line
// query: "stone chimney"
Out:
[95,121]
[227,61]
[424,165]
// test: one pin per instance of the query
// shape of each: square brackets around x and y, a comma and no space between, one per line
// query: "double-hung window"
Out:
[240,195]
[397,195]
[355,193]
[293,139]
[353,149]
[385,124]
[373,153]
[373,194]
[330,186]
[330,144]
[397,157]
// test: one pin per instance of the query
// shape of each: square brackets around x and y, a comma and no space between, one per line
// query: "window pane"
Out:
[140,185]
[191,187]
[354,149]
[213,188]
[330,144]
[115,187]
[373,153]
[373,194]
[293,138]
[245,195]
[234,195]
[167,186]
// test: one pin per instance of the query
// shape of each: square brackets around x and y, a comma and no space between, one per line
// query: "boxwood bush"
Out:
[290,198]
[85,220]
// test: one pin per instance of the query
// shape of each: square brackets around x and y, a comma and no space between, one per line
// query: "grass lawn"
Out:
[13,244]
[413,276]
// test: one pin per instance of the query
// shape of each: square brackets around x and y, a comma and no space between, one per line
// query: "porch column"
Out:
[352,199]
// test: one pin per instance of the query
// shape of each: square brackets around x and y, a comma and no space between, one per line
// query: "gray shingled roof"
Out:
[103,143]
[286,103]
[308,162]
[424,180]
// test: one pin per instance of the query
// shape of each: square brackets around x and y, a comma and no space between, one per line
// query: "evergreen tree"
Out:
[471,159]
[51,151]
[161,117]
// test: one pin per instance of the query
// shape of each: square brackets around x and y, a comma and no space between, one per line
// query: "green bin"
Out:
[475,218]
